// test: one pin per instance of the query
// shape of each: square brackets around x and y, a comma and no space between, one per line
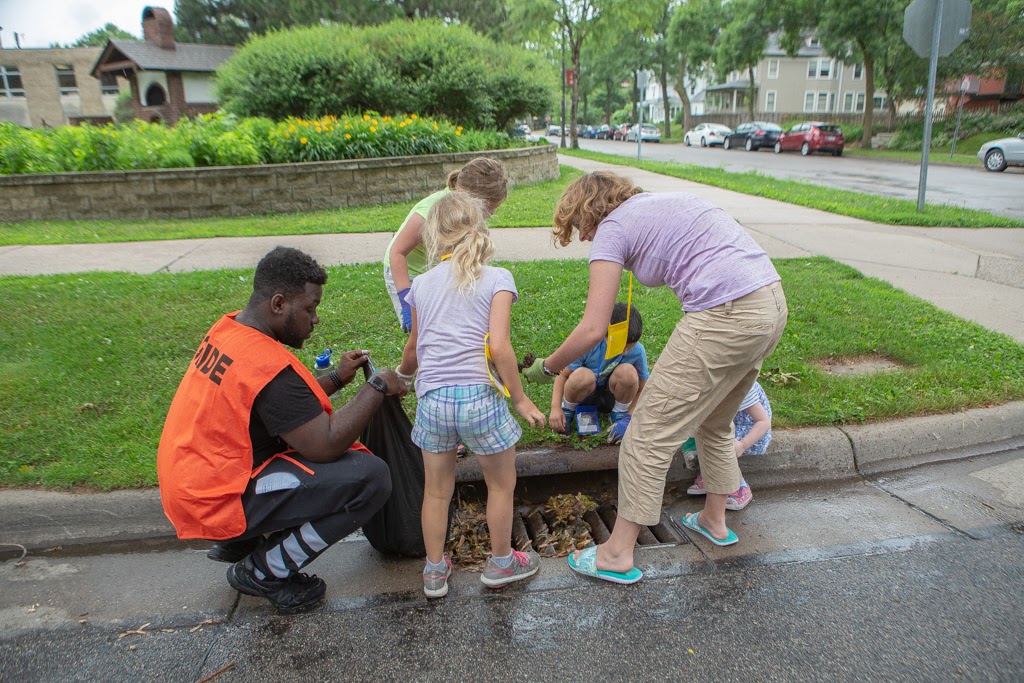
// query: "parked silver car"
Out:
[998,154]
[650,134]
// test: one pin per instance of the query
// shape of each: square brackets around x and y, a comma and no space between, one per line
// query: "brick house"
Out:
[168,80]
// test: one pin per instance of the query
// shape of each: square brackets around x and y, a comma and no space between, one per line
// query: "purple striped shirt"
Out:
[687,243]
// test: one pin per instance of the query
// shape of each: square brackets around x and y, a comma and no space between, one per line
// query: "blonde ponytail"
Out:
[455,226]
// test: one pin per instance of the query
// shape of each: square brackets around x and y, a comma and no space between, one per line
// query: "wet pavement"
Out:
[912,575]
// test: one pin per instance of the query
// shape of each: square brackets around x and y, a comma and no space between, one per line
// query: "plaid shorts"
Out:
[477,415]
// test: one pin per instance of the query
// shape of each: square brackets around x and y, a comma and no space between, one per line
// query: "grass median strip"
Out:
[91,362]
[885,210]
[527,206]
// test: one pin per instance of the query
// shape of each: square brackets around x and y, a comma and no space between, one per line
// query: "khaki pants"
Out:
[708,366]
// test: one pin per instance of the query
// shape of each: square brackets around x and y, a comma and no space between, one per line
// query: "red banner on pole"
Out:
[569,76]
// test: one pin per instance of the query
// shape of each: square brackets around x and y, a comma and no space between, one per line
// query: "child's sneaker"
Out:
[739,498]
[697,487]
[570,417]
[522,566]
[435,582]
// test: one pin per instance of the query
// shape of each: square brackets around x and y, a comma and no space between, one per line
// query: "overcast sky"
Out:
[42,22]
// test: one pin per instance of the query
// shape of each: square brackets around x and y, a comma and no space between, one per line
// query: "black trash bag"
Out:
[395,528]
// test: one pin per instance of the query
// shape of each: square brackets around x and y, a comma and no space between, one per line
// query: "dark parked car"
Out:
[812,136]
[586,132]
[752,136]
[554,130]
[619,133]
[604,132]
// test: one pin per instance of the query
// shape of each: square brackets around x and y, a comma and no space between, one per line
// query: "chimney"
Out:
[157,27]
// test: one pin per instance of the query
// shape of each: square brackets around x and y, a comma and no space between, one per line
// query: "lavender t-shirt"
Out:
[451,327]
[687,243]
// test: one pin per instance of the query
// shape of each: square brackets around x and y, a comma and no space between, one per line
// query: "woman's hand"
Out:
[531,413]
[535,373]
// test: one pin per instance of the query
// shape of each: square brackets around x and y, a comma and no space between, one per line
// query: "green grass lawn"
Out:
[843,202]
[527,206]
[91,362]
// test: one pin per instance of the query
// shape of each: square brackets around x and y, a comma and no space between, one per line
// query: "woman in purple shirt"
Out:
[735,312]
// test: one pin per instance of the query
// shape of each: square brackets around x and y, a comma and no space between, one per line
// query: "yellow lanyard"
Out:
[618,333]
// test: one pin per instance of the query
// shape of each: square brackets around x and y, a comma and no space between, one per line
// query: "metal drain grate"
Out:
[532,529]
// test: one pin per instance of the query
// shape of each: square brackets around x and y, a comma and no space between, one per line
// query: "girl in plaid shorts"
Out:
[455,306]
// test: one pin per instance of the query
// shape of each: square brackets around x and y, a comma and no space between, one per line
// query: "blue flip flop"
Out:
[587,565]
[690,522]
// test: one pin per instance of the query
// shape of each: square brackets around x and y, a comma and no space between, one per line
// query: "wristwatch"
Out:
[544,369]
[378,383]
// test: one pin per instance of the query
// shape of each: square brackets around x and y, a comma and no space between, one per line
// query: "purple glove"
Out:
[406,311]
[618,430]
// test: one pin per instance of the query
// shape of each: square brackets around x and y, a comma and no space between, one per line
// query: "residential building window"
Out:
[10,82]
[66,83]
[879,102]
[812,41]
[858,72]
[854,102]
[108,84]
[773,68]
[769,100]
[820,69]
[817,101]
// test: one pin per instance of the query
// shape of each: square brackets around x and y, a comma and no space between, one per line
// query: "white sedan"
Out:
[707,134]
[998,154]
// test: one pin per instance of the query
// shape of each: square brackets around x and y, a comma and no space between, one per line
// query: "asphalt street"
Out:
[971,187]
[909,576]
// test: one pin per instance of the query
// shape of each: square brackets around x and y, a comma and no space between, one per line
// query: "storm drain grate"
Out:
[533,528]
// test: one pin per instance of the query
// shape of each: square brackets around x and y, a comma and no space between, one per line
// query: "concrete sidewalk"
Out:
[977,274]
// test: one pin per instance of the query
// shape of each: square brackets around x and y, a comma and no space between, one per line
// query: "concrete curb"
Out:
[39,520]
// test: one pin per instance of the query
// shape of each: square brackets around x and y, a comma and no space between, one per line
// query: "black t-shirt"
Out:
[285,403]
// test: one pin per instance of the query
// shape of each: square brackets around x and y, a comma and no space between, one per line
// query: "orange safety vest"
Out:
[205,457]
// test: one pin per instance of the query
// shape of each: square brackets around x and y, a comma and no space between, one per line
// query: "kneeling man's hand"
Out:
[396,385]
[349,363]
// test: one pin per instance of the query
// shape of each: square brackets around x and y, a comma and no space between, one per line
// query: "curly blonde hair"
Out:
[455,225]
[483,178]
[588,201]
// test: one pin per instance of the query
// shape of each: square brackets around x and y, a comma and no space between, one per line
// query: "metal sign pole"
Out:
[933,63]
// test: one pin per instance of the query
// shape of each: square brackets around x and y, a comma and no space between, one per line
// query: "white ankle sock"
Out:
[621,407]
[503,561]
[568,405]
[439,567]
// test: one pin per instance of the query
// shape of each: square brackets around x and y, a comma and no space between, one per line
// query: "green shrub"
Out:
[226,140]
[909,134]
[424,66]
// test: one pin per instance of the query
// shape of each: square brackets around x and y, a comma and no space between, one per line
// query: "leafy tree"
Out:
[232,22]
[693,35]
[100,36]
[866,33]
[743,39]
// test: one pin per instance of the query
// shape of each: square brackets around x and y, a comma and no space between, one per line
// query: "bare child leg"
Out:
[505,564]
[438,488]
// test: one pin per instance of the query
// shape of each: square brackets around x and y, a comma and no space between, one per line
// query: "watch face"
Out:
[379,384]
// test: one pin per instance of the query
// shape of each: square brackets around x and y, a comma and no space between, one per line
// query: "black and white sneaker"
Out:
[297,592]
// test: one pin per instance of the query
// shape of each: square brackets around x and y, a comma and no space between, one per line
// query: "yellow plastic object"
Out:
[492,370]
[619,332]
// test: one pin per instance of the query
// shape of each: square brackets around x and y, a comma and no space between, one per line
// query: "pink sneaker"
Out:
[739,498]
[697,487]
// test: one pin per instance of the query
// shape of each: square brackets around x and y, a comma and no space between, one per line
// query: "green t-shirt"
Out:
[417,258]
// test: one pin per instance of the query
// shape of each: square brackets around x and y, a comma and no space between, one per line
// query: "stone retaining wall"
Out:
[247,190]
